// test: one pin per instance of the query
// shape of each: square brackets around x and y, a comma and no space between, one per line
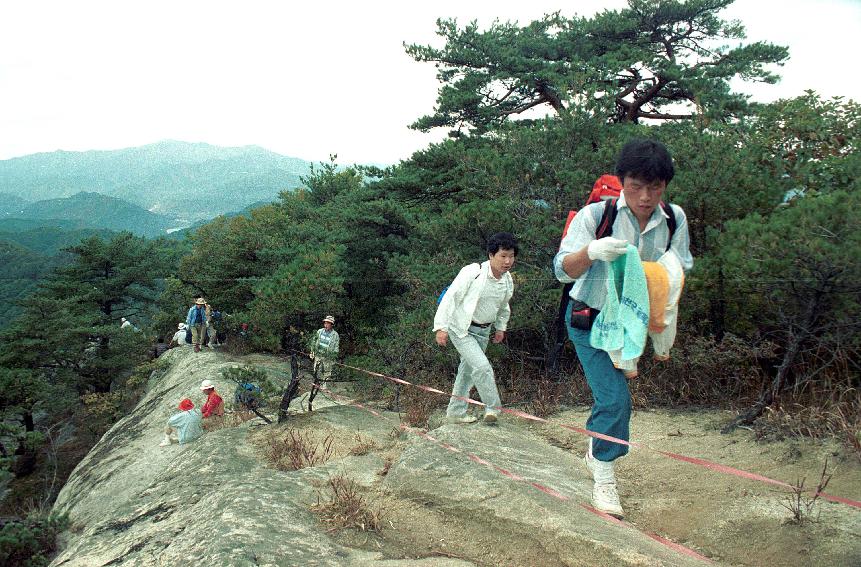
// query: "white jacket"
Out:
[455,311]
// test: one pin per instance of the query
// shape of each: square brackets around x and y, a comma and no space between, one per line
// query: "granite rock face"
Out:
[216,501]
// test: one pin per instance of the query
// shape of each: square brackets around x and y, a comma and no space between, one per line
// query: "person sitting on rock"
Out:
[183,427]
[179,336]
[213,409]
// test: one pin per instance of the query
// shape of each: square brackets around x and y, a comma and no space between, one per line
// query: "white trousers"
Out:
[474,370]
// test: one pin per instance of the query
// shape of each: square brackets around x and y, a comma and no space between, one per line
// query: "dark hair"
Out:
[648,160]
[503,240]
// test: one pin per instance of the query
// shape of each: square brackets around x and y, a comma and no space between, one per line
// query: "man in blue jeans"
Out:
[644,167]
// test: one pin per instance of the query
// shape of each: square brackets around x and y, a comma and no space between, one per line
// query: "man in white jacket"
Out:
[477,298]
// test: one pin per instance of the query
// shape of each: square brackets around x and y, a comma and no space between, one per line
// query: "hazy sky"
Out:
[305,80]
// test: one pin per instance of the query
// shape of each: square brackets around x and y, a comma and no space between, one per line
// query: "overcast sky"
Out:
[303,80]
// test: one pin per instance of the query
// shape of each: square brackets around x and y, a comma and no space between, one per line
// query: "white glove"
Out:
[606,249]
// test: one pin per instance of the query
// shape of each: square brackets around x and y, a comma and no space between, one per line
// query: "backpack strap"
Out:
[608,217]
[671,221]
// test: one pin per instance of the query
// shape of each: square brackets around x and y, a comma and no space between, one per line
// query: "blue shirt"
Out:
[651,243]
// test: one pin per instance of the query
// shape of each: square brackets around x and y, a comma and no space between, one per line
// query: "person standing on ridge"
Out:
[197,320]
[644,167]
[324,349]
[477,298]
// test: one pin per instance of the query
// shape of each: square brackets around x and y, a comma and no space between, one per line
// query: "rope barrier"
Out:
[517,478]
[705,463]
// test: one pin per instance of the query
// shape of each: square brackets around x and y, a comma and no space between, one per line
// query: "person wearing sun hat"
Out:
[179,336]
[186,425]
[324,348]
[213,409]
[197,320]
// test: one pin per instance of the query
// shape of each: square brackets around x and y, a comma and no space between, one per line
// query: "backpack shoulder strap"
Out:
[608,217]
[671,221]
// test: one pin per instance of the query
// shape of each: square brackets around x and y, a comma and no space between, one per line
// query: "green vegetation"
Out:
[770,316]
[31,541]
[626,65]
[93,210]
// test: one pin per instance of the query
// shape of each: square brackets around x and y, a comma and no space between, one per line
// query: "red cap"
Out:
[186,405]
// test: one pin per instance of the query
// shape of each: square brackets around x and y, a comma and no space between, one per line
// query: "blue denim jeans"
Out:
[611,407]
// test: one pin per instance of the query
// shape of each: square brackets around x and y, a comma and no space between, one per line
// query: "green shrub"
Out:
[30,542]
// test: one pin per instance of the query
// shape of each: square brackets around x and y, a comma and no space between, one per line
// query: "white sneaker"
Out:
[462,419]
[605,498]
[164,443]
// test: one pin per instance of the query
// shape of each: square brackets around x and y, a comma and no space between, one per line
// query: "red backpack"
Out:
[606,188]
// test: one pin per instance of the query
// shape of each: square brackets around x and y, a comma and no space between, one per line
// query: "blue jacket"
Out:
[188,318]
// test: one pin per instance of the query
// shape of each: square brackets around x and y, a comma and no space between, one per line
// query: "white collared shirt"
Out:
[651,243]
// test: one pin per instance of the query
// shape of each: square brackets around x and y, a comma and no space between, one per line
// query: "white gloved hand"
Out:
[606,249]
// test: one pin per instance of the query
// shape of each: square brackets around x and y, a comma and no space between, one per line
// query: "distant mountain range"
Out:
[183,181]
[89,210]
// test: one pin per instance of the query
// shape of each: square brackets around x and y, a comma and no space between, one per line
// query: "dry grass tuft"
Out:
[418,406]
[387,464]
[363,446]
[802,505]
[346,508]
[232,419]
[298,450]
[546,399]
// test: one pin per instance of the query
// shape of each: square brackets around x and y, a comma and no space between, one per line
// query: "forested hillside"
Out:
[192,181]
[770,316]
[28,256]
[95,211]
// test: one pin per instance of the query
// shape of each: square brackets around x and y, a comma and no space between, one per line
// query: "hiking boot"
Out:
[196,348]
[490,419]
[462,419]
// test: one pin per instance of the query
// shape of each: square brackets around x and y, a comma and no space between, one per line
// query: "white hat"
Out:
[200,301]
[207,385]
[123,319]
[329,319]
[181,326]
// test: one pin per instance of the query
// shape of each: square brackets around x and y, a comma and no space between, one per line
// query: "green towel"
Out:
[623,323]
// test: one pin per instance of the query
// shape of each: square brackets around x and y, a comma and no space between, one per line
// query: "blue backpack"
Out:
[445,289]
[441,295]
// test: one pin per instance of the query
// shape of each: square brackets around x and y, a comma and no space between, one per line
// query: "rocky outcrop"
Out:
[217,501]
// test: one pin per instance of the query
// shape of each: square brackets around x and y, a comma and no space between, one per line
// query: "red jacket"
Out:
[214,405]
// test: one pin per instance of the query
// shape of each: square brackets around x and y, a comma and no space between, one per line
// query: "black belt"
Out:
[480,325]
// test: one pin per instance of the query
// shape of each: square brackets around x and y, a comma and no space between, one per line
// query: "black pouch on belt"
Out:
[582,316]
